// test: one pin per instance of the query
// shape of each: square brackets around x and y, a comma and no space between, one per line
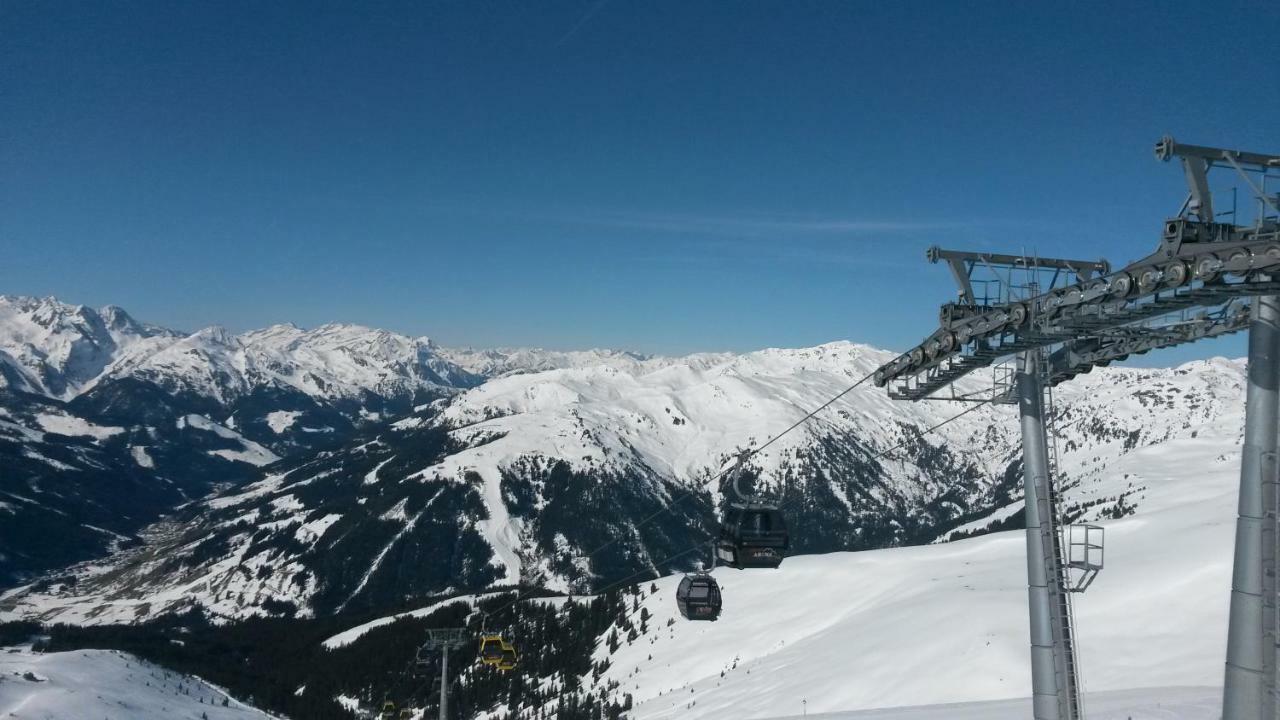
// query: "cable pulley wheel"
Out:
[1175,274]
[1121,285]
[1208,268]
[1271,256]
[1239,262]
[1097,289]
[1017,315]
[1148,278]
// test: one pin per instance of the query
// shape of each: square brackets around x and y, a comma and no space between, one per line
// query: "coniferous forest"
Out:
[282,665]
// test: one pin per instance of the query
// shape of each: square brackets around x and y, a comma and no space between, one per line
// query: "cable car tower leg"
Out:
[444,640]
[1053,685]
[444,684]
[1249,686]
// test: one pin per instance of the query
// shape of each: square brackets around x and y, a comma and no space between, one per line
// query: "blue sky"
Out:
[661,176]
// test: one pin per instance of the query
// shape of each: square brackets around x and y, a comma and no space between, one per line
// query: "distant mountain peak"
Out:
[216,334]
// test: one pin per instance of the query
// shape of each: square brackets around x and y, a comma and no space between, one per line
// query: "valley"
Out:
[356,487]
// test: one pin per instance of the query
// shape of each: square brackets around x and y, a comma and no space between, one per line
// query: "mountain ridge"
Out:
[39,336]
[532,476]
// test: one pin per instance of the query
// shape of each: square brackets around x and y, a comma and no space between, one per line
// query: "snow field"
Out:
[948,623]
[1144,704]
[106,684]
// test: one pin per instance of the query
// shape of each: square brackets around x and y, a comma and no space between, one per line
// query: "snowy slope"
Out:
[1144,704]
[948,623]
[678,417]
[499,362]
[106,684]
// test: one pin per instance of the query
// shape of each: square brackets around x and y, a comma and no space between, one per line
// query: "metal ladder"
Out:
[1055,560]
[1270,586]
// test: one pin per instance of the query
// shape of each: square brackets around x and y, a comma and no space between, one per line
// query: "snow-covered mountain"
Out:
[63,351]
[572,472]
[498,362]
[54,349]
[331,362]
[940,631]
[107,423]
[546,478]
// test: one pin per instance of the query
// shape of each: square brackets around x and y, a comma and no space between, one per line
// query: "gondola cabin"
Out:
[698,597]
[508,660]
[422,662]
[491,649]
[752,536]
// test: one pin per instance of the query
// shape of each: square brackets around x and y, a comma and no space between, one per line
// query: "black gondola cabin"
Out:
[752,536]
[698,597]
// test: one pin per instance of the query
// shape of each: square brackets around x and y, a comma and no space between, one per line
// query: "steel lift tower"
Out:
[444,640]
[1041,321]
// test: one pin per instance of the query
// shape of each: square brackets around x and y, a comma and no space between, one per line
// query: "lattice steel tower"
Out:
[1042,321]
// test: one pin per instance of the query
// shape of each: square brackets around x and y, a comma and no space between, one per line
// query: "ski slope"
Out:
[106,684]
[1145,704]
[948,623]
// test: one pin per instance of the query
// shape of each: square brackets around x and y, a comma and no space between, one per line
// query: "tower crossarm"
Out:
[1198,265]
[1086,313]
[1082,355]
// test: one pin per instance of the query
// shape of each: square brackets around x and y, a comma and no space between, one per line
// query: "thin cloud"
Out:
[583,21]
[747,225]
[760,226]
[730,262]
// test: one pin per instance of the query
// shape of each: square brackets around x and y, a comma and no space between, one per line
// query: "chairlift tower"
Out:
[444,640]
[1039,322]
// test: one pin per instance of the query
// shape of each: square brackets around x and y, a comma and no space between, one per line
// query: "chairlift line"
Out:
[781,544]
[931,429]
[742,457]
